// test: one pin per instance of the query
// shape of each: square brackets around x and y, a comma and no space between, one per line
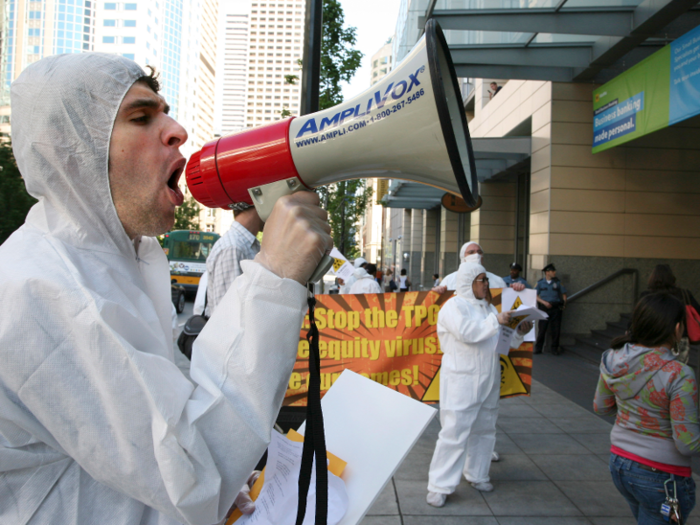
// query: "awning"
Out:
[495,157]
[554,40]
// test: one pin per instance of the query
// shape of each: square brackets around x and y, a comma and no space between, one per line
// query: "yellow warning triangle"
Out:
[511,384]
[517,303]
[337,263]
[432,394]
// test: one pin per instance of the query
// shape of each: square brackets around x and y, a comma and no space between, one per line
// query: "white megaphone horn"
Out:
[411,125]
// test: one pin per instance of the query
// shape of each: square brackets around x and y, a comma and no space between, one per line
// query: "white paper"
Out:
[527,313]
[373,428]
[345,271]
[511,300]
[505,335]
[279,497]
[518,316]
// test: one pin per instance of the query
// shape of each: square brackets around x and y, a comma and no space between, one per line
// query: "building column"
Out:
[449,243]
[404,244]
[431,218]
[493,225]
[415,248]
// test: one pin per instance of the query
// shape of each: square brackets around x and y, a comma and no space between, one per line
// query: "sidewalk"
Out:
[553,471]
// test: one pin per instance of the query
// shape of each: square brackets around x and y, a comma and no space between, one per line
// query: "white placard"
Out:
[373,428]
[346,270]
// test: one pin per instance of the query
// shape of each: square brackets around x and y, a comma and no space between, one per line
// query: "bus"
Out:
[187,252]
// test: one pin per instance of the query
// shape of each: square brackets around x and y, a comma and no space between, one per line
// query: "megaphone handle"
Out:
[264,198]
[321,269]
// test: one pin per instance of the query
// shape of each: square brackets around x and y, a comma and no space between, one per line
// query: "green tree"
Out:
[347,201]
[14,199]
[187,215]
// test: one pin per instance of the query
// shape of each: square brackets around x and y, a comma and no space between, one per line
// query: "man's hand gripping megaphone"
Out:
[296,238]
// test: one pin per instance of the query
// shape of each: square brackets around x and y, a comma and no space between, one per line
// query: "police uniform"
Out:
[552,292]
[509,280]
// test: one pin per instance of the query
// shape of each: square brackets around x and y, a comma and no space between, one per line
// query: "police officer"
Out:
[551,297]
[514,276]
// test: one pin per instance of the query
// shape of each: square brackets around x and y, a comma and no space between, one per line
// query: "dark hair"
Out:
[403,271]
[371,269]
[151,79]
[435,276]
[654,321]
[661,279]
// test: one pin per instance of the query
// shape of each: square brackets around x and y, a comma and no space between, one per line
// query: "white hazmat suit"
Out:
[450,281]
[347,286]
[97,423]
[365,283]
[470,381]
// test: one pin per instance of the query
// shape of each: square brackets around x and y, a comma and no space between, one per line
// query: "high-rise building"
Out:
[382,62]
[177,37]
[232,70]
[273,33]
[259,43]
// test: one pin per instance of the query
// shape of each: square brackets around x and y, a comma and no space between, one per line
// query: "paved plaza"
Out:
[553,471]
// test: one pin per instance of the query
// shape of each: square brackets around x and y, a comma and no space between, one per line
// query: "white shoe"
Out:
[495,457]
[436,499]
[484,486]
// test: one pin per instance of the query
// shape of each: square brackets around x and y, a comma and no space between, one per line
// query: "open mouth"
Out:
[176,195]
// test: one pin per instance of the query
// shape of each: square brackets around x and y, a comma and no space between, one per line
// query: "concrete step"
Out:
[586,352]
[609,333]
[598,343]
[600,339]
[619,325]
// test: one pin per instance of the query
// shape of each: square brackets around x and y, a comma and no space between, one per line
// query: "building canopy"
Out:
[554,40]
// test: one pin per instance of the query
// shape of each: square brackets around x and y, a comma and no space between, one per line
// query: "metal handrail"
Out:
[606,280]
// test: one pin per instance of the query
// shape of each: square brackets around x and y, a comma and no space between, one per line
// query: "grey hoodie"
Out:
[655,397]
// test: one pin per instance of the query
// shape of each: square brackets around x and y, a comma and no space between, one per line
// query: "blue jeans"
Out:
[644,490]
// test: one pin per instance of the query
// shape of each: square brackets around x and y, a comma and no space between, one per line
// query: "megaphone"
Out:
[411,125]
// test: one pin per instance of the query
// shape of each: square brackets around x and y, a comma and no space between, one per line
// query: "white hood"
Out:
[360,273]
[466,274]
[359,262]
[60,137]
[463,253]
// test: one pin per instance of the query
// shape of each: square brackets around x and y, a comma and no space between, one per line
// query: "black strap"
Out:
[314,438]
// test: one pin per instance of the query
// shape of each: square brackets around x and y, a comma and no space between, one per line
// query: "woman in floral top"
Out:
[655,397]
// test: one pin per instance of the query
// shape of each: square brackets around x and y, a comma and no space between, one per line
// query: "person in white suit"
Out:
[470,385]
[366,282]
[97,423]
[472,252]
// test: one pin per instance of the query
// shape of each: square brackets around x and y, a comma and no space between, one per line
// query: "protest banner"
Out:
[392,339]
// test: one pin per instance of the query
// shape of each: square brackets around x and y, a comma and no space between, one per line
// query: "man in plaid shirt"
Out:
[224,261]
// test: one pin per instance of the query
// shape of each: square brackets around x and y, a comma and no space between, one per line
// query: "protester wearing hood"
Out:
[470,385]
[97,423]
[359,265]
[367,283]
[472,252]
[655,396]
